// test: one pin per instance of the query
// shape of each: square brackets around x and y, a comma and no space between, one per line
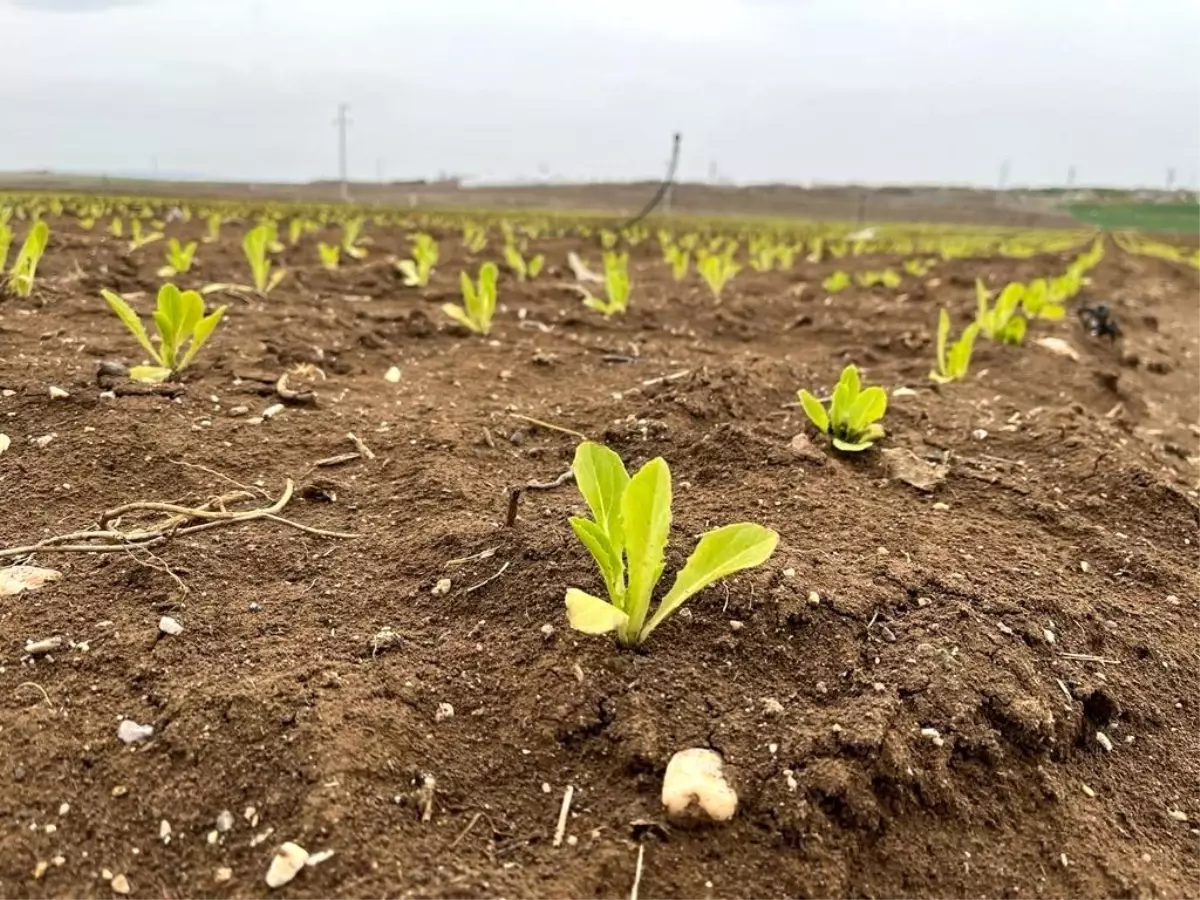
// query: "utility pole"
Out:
[1071,176]
[666,200]
[341,122]
[1002,181]
[1170,177]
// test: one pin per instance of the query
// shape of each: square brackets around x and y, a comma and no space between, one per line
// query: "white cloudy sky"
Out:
[790,90]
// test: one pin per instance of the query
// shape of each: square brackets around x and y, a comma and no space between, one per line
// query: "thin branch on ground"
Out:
[487,580]
[514,494]
[551,426]
[180,520]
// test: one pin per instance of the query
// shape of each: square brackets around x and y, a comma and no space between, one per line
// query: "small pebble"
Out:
[392,375]
[1084,566]
[236,411]
[222,874]
[1178,815]
[736,625]
[289,859]
[1088,791]
[170,626]
[1103,741]
[941,507]
[771,706]
[164,831]
[814,599]
[57,393]
[120,884]
[979,434]
[120,790]
[271,411]
[130,732]
[442,587]
[444,711]
[64,808]
[224,821]
[254,607]
[547,630]
[789,573]
[40,869]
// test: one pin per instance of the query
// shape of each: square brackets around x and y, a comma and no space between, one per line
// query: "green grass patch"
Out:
[1178,218]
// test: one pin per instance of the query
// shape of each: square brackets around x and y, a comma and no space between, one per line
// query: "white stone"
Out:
[130,731]
[170,626]
[695,786]
[289,859]
[57,393]
[392,375]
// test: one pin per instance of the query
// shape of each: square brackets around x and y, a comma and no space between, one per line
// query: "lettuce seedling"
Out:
[520,266]
[474,238]
[6,236]
[212,228]
[179,258]
[836,282]
[853,415]
[717,269]
[627,537]
[616,286]
[479,301]
[953,365]
[179,319]
[678,259]
[139,238]
[352,241]
[330,255]
[1001,322]
[255,245]
[1039,303]
[115,228]
[416,271]
[20,279]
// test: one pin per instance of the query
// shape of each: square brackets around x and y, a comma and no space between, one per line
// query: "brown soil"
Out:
[1075,516]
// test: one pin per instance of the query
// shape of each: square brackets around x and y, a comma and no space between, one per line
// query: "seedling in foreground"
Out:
[853,415]
[179,319]
[479,301]
[20,279]
[627,537]
[352,239]
[255,245]
[953,365]
[139,238]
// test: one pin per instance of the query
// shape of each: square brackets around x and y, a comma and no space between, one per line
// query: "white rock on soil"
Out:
[224,820]
[44,646]
[57,393]
[119,884]
[271,411]
[5,442]
[442,587]
[222,874]
[444,711]
[170,626]
[15,579]
[694,787]
[392,375]
[289,859]
[130,731]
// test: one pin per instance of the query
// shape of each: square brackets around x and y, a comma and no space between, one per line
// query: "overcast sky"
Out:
[767,90]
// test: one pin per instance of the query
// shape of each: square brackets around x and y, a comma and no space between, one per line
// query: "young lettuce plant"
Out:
[6,237]
[330,255]
[678,259]
[479,301]
[20,278]
[1038,302]
[616,286]
[416,271]
[474,238]
[255,245]
[115,228]
[179,319]
[1001,322]
[212,228]
[627,537]
[836,282]
[521,267]
[139,238]
[953,365]
[717,269]
[352,241]
[853,415]
[179,258]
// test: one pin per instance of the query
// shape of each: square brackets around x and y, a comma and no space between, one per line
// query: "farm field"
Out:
[968,668]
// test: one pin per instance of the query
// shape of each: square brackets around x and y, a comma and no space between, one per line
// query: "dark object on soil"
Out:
[1099,321]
